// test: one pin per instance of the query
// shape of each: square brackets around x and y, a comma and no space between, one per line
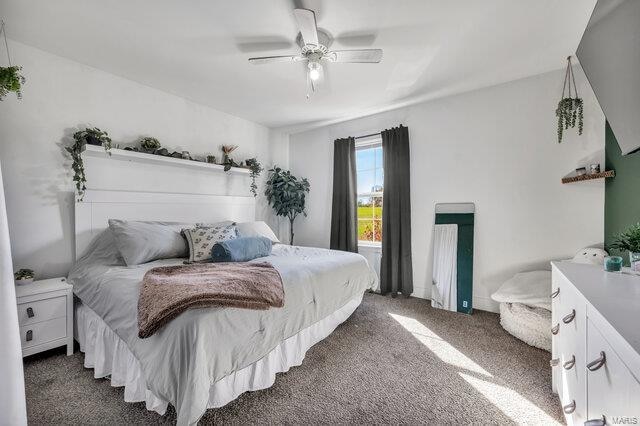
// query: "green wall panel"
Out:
[621,196]
[464,256]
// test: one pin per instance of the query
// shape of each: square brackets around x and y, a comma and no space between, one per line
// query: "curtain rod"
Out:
[367,136]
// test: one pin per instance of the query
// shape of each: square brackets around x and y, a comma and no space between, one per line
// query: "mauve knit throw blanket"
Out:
[167,291]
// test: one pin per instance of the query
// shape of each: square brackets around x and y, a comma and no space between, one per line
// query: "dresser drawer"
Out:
[43,332]
[42,310]
[613,392]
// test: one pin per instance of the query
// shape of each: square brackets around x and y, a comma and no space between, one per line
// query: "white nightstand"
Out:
[45,314]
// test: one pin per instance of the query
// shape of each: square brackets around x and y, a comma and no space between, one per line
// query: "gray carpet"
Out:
[440,367]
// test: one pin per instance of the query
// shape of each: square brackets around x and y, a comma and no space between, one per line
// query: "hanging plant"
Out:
[10,78]
[570,109]
[227,161]
[92,136]
[255,169]
[149,144]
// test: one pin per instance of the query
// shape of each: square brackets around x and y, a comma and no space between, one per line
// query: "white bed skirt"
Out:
[108,355]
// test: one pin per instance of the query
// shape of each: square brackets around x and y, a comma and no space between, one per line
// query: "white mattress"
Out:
[108,355]
[530,324]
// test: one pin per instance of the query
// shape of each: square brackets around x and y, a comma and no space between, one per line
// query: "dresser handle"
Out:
[554,362]
[569,408]
[596,422]
[569,317]
[29,336]
[569,364]
[555,293]
[30,313]
[555,329]
[597,363]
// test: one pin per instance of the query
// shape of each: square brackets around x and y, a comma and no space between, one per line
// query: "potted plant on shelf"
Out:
[629,240]
[80,139]
[11,81]
[227,161]
[286,194]
[149,144]
[23,276]
[255,169]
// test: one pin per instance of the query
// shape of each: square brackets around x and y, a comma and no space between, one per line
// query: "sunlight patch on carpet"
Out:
[440,347]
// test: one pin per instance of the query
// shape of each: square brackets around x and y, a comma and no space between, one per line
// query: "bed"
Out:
[205,357]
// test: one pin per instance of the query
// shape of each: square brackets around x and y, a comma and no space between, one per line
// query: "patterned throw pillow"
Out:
[202,239]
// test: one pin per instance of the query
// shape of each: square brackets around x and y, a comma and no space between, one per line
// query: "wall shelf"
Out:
[589,176]
[143,157]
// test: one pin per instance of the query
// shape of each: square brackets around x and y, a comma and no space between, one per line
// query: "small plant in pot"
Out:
[629,240]
[149,144]
[23,276]
[255,169]
[94,136]
[227,161]
[11,81]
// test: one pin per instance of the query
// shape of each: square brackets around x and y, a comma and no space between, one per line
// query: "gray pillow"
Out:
[140,241]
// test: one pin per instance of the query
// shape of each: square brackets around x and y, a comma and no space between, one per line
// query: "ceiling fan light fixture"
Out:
[314,70]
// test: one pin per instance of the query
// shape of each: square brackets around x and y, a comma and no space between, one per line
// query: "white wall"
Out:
[61,95]
[495,147]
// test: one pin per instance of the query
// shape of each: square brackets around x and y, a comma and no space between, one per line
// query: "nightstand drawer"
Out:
[43,332]
[42,310]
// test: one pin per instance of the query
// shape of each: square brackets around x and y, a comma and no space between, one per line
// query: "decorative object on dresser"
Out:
[23,276]
[570,108]
[629,241]
[286,194]
[45,315]
[10,78]
[595,344]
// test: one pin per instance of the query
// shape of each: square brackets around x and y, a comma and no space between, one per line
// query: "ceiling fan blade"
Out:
[362,56]
[272,59]
[306,19]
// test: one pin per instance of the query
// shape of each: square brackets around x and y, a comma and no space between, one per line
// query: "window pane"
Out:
[365,159]
[365,208]
[366,181]
[365,230]
[378,154]
[376,207]
[379,180]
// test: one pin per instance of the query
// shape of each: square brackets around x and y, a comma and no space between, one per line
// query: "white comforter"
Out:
[201,346]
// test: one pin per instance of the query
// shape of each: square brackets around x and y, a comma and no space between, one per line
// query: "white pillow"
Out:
[143,241]
[256,229]
[529,288]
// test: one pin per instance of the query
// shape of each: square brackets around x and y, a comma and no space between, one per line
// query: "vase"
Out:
[634,261]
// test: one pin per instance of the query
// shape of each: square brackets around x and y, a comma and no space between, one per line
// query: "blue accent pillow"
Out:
[241,249]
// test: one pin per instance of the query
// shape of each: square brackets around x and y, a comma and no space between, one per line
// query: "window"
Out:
[370,178]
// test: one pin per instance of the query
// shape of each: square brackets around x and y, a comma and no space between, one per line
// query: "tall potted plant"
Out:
[286,194]
[629,240]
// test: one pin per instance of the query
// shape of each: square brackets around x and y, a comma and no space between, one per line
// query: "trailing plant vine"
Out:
[570,109]
[256,168]
[93,136]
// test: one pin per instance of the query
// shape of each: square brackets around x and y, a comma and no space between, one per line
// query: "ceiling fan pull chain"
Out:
[6,45]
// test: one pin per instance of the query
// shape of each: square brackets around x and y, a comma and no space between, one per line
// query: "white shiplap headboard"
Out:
[98,206]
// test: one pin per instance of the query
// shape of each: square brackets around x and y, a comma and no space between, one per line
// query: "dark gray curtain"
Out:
[396,271]
[344,210]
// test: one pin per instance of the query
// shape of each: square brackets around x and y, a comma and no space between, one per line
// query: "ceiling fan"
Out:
[314,45]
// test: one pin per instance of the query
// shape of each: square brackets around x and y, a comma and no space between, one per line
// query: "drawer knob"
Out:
[30,313]
[554,362]
[569,408]
[569,317]
[597,363]
[29,336]
[555,293]
[596,422]
[555,329]
[569,364]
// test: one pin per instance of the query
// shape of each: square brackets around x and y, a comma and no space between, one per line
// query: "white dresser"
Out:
[596,344]
[45,314]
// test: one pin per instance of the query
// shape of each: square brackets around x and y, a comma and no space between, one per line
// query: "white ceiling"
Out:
[198,49]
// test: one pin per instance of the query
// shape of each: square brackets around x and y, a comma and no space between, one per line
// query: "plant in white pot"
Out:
[23,276]
[629,240]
